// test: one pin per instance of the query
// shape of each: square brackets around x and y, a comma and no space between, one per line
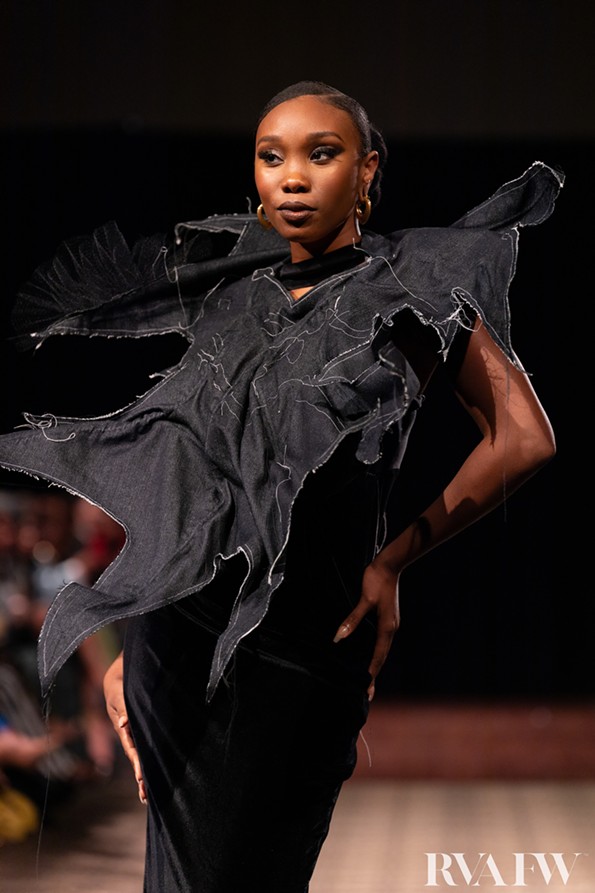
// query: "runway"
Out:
[394,831]
[396,837]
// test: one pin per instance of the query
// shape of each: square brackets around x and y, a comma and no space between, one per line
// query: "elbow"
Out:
[545,444]
[550,450]
[536,450]
[523,450]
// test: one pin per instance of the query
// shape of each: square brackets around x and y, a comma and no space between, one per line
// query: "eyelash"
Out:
[327,151]
[324,153]
[267,156]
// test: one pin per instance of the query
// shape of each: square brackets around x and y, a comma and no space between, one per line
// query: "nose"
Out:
[295,181]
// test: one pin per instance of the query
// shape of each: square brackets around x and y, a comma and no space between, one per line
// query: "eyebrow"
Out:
[319,134]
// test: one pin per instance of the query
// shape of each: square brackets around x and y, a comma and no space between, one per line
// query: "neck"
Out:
[338,239]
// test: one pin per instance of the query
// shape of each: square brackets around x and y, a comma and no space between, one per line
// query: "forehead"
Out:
[307,114]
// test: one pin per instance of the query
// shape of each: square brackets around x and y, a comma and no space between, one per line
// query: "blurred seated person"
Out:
[60,538]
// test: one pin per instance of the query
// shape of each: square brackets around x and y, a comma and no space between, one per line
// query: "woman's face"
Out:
[309,172]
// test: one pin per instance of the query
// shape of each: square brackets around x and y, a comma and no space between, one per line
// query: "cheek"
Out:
[262,183]
[344,190]
[355,181]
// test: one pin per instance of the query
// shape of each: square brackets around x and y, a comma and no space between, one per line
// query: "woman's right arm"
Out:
[113,688]
[516,440]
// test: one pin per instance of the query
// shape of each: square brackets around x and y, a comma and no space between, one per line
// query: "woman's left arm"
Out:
[516,440]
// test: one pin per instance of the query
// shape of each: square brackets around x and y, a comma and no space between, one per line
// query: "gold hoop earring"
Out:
[262,219]
[363,209]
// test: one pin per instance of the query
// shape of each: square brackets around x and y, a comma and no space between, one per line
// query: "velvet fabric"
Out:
[241,789]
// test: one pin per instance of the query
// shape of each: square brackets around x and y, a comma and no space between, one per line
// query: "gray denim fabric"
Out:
[209,462]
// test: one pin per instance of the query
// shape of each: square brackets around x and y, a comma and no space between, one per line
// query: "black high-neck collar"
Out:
[312,271]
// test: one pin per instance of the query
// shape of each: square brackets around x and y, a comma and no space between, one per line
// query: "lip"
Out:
[295,212]
[295,206]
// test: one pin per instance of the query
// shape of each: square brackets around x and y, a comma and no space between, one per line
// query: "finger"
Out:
[140,781]
[351,622]
[131,752]
[126,739]
[384,640]
[381,652]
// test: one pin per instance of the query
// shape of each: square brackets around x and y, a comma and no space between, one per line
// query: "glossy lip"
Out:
[295,212]
[295,206]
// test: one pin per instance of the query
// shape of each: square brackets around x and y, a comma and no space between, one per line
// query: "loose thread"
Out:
[368,751]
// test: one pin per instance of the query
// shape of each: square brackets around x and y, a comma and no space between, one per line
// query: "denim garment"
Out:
[208,463]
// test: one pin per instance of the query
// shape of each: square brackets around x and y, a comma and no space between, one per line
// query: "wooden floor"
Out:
[384,829]
[440,780]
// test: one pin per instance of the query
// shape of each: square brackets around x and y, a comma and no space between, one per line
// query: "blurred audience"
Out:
[49,538]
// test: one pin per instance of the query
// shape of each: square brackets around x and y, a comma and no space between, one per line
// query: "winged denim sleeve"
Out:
[99,285]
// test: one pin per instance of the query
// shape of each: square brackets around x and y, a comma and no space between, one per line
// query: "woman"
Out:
[252,482]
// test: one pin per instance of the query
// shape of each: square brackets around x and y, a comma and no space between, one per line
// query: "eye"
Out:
[324,153]
[269,156]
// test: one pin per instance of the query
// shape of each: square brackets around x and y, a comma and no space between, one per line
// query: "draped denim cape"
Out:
[209,462]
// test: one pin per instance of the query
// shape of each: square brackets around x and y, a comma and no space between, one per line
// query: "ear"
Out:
[368,168]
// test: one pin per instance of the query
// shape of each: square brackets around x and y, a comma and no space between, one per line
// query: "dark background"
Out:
[142,112]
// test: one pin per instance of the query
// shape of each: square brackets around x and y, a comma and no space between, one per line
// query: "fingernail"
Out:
[342,632]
